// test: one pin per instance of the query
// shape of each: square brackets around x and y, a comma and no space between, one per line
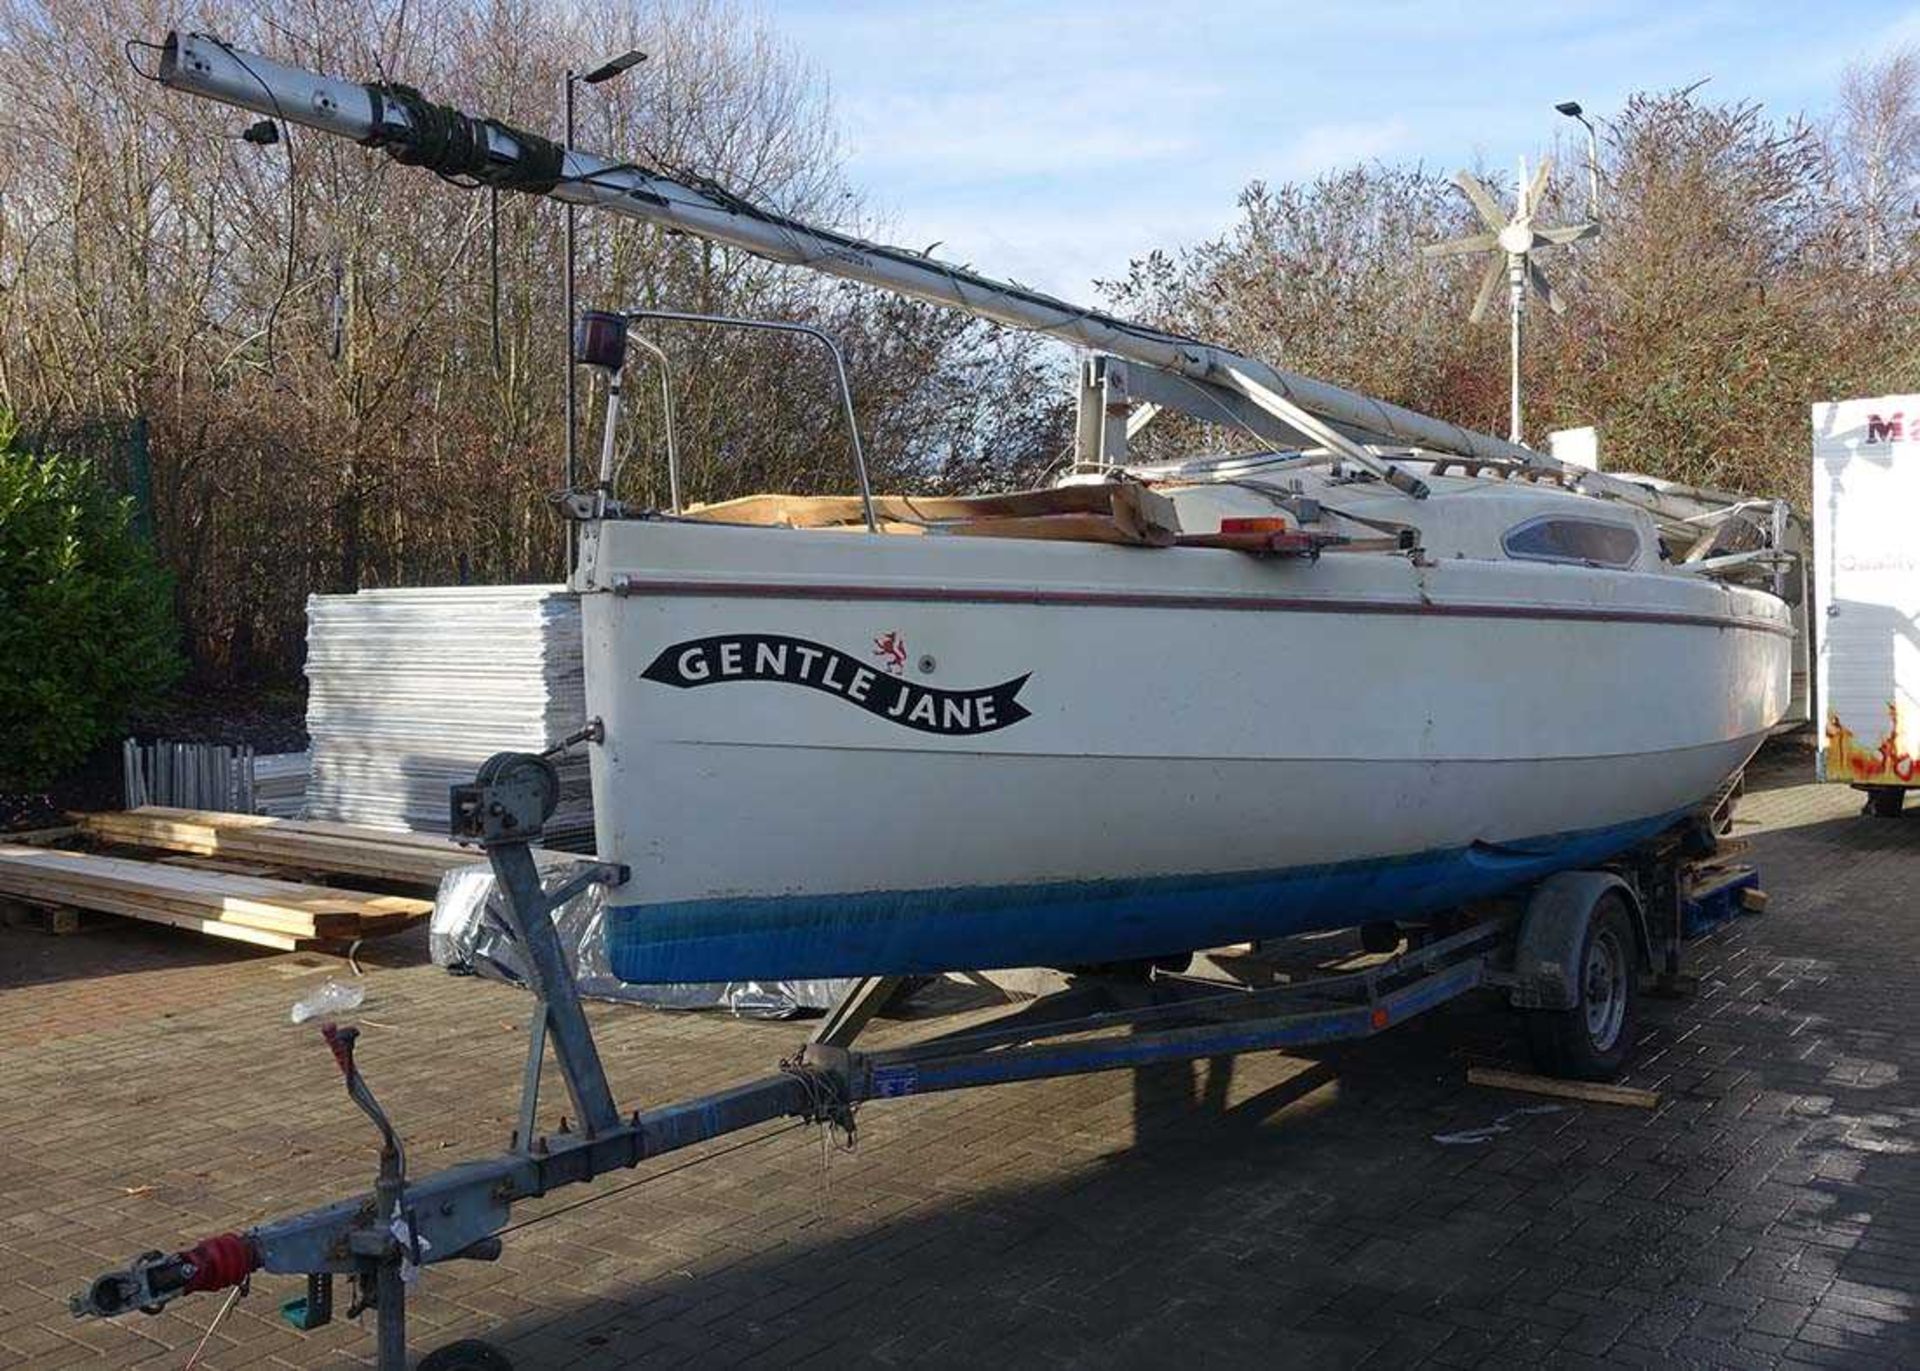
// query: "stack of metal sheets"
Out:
[280,784]
[408,691]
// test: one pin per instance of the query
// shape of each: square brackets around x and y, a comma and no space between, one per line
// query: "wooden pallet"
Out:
[268,913]
[412,859]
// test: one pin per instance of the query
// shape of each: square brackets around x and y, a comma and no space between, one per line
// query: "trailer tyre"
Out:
[1885,801]
[1589,1041]
[469,1354]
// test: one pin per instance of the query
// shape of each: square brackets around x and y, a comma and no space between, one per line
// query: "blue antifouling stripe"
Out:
[1067,923]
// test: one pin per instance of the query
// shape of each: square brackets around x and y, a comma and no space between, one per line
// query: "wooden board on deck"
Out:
[1108,512]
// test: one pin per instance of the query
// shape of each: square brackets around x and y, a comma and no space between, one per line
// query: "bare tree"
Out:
[352,370]
[1876,148]
[1324,277]
[1725,293]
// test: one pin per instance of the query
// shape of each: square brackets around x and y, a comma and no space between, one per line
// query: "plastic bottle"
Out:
[333,997]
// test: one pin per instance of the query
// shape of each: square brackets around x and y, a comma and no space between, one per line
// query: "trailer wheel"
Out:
[1885,801]
[1589,1041]
[469,1354]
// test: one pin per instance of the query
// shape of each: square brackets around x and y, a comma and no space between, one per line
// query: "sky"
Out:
[1053,141]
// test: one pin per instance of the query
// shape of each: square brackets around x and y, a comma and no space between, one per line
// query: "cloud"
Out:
[1850,45]
[1325,146]
[1053,141]
[948,136]
[938,94]
[1058,248]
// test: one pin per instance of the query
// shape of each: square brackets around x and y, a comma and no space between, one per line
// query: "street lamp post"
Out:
[1571,108]
[606,71]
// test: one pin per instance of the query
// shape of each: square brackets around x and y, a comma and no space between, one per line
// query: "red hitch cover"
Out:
[220,1261]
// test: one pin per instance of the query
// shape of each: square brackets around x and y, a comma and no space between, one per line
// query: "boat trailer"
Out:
[1534,948]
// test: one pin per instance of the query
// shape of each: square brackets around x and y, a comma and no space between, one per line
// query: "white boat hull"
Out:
[1137,752]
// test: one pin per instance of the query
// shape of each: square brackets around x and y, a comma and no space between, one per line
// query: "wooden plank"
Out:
[1148,516]
[1066,528]
[87,867]
[404,858]
[203,921]
[232,868]
[819,511]
[311,853]
[213,818]
[219,928]
[120,885]
[197,921]
[893,526]
[119,901]
[1134,516]
[1593,1091]
[275,933]
[40,837]
[1114,511]
[323,854]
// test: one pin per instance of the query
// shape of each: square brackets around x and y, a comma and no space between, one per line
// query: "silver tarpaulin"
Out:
[469,935]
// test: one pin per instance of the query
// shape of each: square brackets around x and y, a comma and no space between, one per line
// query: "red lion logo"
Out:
[891,649]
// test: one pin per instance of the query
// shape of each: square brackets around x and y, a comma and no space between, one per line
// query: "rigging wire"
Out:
[138,70]
[293,190]
[493,258]
[284,136]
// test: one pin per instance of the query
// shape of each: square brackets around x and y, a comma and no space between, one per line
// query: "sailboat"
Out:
[1381,667]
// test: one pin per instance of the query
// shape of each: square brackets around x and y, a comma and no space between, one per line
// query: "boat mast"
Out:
[1213,383]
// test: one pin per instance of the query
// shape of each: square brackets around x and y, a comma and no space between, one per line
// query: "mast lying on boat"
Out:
[1207,381]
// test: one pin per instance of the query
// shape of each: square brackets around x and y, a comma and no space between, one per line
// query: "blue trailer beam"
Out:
[1237,1004]
[905,1072]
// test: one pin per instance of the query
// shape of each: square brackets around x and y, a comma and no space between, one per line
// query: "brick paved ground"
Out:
[1274,1211]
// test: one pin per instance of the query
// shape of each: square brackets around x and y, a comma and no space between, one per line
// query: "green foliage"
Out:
[86,615]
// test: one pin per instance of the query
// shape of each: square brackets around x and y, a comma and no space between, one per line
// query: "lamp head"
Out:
[613,66]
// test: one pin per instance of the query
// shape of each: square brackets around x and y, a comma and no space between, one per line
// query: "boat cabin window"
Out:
[1556,538]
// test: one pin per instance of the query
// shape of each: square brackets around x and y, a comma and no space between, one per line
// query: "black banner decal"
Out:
[797,661]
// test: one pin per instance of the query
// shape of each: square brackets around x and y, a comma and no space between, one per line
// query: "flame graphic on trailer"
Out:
[1866,584]
[1886,762]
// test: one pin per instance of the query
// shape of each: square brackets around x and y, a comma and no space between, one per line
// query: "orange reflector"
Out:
[1266,524]
[1379,1019]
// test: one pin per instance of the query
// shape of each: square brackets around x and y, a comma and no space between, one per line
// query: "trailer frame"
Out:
[380,1240]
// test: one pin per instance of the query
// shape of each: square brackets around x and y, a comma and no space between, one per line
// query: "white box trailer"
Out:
[1866,512]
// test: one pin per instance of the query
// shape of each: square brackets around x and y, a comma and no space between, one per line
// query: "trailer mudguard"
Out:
[1552,931]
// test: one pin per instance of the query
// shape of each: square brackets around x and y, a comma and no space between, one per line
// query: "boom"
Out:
[1210,381]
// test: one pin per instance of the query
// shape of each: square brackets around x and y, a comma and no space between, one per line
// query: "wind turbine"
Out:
[1512,241]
